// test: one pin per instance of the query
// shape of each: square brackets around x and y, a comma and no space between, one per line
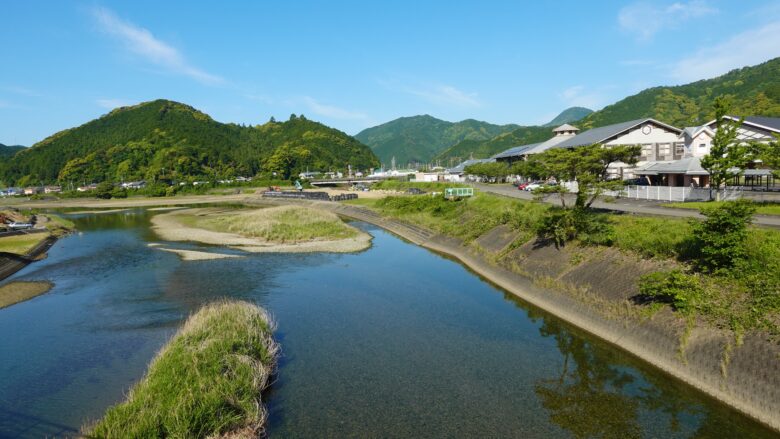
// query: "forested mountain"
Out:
[165,140]
[420,138]
[756,92]
[569,115]
[7,151]
[485,148]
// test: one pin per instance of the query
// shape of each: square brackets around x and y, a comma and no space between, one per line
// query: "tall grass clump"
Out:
[283,224]
[206,382]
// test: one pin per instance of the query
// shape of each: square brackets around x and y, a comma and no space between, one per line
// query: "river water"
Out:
[395,341]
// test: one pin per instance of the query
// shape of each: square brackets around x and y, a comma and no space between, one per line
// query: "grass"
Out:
[205,382]
[283,224]
[397,185]
[763,208]
[16,292]
[21,244]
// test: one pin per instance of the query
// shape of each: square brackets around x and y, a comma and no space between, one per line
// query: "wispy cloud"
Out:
[645,19]
[259,98]
[747,48]
[144,44]
[112,103]
[332,111]
[636,62]
[21,91]
[440,94]
[579,96]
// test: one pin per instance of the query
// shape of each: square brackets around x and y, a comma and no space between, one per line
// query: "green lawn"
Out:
[763,208]
[21,244]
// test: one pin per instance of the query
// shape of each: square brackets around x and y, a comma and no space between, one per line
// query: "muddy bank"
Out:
[591,288]
[17,292]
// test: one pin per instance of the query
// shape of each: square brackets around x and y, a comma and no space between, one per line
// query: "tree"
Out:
[770,155]
[104,190]
[727,158]
[494,170]
[720,239]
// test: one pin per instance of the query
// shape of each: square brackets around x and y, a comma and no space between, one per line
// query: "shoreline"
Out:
[645,342]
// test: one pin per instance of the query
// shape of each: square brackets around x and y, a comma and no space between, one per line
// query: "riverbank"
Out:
[281,229]
[207,381]
[595,289]
[18,249]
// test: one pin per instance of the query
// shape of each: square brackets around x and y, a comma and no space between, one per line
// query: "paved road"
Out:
[640,207]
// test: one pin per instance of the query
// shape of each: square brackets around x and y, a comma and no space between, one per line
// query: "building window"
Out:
[679,148]
[702,145]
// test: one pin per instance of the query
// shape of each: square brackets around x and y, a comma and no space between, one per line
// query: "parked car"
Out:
[532,186]
[19,226]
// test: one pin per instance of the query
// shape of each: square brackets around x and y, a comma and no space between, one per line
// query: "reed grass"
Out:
[205,382]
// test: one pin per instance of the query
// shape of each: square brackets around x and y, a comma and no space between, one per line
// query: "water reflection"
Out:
[392,342]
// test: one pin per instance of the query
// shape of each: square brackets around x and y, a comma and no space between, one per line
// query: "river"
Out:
[395,341]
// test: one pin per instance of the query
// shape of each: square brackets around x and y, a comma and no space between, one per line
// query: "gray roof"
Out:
[566,127]
[772,123]
[462,166]
[687,166]
[515,151]
[601,134]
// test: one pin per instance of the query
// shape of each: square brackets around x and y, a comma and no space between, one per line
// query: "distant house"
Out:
[309,175]
[52,189]
[87,188]
[32,190]
[134,184]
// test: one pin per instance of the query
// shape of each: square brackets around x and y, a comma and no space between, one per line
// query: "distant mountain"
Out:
[166,140]
[7,151]
[480,149]
[569,115]
[420,138]
[755,90]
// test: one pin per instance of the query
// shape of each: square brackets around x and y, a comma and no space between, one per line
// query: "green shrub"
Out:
[720,239]
[119,192]
[564,225]
[682,290]
[104,190]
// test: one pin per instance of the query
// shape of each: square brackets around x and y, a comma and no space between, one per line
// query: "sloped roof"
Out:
[544,146]
[515,151]
[772,123]
[602,134]
[687,166]
[462,166]
[566,127]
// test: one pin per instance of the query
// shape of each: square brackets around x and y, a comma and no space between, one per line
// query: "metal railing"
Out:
[675,193]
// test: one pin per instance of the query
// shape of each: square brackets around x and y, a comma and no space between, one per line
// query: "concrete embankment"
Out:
[592,291]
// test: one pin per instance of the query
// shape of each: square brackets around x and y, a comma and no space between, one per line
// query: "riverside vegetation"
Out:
[206,381]
[740,296]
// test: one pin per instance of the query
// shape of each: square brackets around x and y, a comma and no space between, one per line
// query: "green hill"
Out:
[569,115]
[485,148]
[420,138]
[165,140]
[755,89]
[8,151]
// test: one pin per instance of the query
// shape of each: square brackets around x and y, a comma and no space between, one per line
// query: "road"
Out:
[639,207]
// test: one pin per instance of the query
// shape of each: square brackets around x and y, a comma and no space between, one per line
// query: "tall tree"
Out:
[727,157]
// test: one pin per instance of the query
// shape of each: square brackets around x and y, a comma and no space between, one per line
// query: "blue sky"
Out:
[356,64]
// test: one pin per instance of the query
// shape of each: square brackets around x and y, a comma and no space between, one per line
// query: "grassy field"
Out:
[763,208]
[206,382]
[15,292]
[21,244]
[397,185]
[284,224]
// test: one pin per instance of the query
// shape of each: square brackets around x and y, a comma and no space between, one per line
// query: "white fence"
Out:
[672,193]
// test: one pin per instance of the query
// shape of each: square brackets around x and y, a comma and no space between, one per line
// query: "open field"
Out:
[206,381]
[275,229]
[763,208]
[16,292]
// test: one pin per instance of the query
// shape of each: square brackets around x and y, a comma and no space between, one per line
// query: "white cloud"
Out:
[112,103]
[441,94]
[331,111]
[646,19]
[141,42]
[747,48]
[578,96]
